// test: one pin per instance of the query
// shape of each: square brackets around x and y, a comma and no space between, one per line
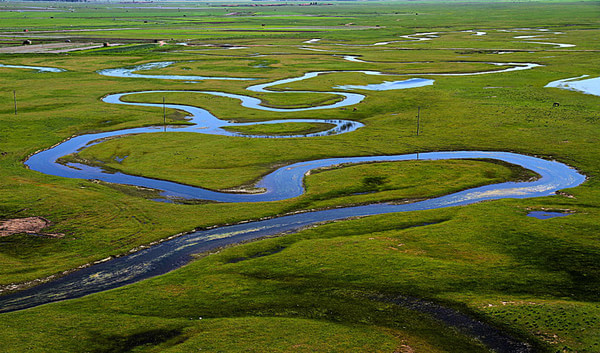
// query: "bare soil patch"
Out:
[29,225]
[50,48]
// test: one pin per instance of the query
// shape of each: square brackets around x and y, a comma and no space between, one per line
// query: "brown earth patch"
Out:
[405,348]
[51,48]
[29,225]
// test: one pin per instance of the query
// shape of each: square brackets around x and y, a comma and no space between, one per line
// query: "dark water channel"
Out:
[283,183]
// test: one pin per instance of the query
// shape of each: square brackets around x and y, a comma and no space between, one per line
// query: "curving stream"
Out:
[427,36]
[132,73]
[284,183]
[204,122]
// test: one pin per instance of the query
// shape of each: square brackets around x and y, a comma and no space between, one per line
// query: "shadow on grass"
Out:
[127,343]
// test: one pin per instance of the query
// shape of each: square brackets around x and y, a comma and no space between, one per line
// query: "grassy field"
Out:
[538,280]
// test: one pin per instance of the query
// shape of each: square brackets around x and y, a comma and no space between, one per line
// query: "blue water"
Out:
[281,184]
[131,72]
[386,86]
[37,68]
[546,215]
[579,84]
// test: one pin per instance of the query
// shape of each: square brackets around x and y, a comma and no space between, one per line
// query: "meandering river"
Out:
[281,184]
[276,185]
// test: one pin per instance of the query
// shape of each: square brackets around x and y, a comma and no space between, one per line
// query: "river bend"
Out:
[281,184]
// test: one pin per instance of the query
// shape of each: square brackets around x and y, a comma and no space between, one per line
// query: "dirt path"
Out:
[69,30]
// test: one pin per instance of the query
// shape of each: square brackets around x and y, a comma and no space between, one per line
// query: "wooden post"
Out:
[164,115]
[418,120]
[15,99]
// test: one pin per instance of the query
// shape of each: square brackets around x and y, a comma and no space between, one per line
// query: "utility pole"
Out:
[418,120]
[15,99]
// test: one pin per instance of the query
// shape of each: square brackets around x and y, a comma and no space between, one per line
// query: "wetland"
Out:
[344,177]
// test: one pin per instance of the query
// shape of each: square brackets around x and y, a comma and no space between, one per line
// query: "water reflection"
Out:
[131,72]
[547,214]
[587,86]
[284,182]
[37,68]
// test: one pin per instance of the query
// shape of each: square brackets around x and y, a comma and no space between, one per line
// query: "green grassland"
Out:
[314,290]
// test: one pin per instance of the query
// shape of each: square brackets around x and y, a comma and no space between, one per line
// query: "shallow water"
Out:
[420,37]
[587,86]
[283,183]
[391,85]
[206,123]
[38,68]
[559,45]
[512,67]
[131,72]
[546,215]
[313,49]
[353,58]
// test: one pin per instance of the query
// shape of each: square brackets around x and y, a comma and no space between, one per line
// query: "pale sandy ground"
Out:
[50,48]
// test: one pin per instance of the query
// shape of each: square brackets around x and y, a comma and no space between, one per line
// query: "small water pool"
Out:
[547,214]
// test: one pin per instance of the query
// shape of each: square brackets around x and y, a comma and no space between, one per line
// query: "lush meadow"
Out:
[323,288]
